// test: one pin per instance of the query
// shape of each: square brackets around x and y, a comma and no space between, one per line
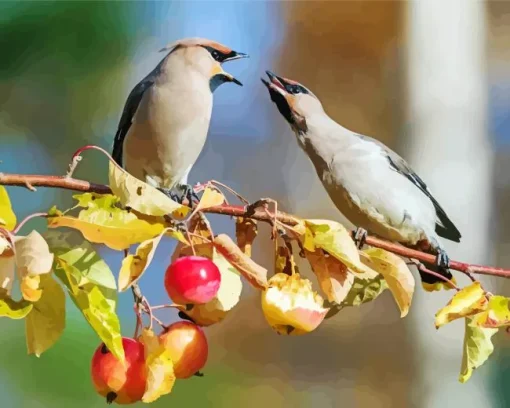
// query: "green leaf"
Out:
[13,309]
[141,196]
[102,222]
[397,275]
[46,322]
[477,348]
[97,309]
[364,291]
[7,216]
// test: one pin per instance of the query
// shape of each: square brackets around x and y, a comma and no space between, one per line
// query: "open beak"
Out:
[275,84]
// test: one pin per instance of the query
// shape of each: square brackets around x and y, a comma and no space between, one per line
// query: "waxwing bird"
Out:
[372,186]
[165,121]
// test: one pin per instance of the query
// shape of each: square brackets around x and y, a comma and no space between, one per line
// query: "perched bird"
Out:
[372,186]
[166,117]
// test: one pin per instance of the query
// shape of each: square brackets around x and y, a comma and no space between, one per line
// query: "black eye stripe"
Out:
[217,55]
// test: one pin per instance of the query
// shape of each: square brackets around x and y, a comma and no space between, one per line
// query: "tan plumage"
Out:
[370,184]
[166,117]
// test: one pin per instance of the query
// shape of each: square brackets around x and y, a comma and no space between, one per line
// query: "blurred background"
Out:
[430,78]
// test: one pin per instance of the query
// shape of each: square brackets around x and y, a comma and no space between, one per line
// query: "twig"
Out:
[26,219]
[247,212]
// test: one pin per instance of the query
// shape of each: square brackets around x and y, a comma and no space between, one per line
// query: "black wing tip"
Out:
[450,232]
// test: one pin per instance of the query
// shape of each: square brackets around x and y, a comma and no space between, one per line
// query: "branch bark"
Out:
[36,180]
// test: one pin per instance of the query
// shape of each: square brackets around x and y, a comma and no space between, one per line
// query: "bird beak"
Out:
[217,70]
[275,84]
[234,55]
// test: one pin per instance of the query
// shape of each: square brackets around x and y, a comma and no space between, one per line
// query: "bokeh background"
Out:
[430,78]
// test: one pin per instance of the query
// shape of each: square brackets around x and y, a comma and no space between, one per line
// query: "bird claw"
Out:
[443,260]
[359,236]
[187,193]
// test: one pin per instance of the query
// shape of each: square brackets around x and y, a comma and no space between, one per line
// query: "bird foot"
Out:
[359,236]
[442,260]
[186,192]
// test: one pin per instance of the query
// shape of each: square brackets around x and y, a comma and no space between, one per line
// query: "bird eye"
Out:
[294,89]
[216,55]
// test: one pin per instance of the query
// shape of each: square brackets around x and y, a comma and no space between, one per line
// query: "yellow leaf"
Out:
[228,294]
[133,266]
[336,240]
[364,291]
[98,310]
[30,287]
[210,198]
[477,349]
[141,196]
[13,309]
[253,272]
[160,368]
[102,222]
[33,256]
[467,302]
[246,232]
[46,322]
[496,315]
[7,268]
[7,216]
[397,275]
[334,278]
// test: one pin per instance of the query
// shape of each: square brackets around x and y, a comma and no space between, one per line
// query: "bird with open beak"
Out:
[165,121]
[372,186]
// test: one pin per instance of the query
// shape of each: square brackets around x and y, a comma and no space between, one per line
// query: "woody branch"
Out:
[31,181]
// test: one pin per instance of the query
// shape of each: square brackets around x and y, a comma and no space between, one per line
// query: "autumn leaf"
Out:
[336,240]
[46,322]
[467,302]
[160,368]
[102,222]
[133,266]
[496,315]
[253,272]
[13,309]
[7,216]
[228,294]
[284,261]
[84,263]
[477,348]
[98,310]
[246,232]
[210,198]
[397,275]
[141,196]
[33,256]
[7,267]
[334,278]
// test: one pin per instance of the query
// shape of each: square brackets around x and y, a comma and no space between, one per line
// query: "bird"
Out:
[371,185]
[165,120]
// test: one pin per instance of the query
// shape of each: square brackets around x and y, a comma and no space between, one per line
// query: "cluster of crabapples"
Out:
[189,280]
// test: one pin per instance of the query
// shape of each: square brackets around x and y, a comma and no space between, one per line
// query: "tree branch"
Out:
[35,180]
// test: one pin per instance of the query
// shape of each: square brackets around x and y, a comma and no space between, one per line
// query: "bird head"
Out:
[207,56]
[295,102]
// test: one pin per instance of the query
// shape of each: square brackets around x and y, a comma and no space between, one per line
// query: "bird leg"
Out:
[359,236]
[169,193]
[442,260]
[188,193]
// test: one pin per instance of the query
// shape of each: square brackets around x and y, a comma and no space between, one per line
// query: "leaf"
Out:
[477,349]
[467,302]
[496,315]
[102,222]
[133,266]
[84,263]
[33,256]
[30,287]
[364,291]
[246,232]
[46,322]
[160,368]
[210,198]
[334,278]
[7,216]
[253,272]
[141,196]
[284,261]
[228,294]
[97,309]
[397,275]
[7,269]
[333,238]
[13,309]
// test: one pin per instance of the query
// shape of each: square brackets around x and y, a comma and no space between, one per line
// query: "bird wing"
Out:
[444,226]
[130,108]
